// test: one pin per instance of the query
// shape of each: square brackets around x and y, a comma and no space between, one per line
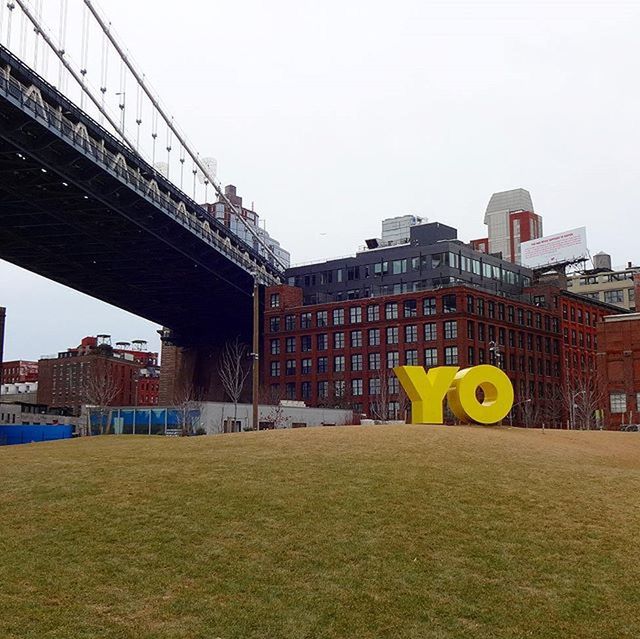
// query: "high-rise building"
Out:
[510,220]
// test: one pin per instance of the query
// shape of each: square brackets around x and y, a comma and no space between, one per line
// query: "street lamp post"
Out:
[256,351]
[524,401]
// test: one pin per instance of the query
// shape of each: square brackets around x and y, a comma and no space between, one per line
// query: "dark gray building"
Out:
[432,258]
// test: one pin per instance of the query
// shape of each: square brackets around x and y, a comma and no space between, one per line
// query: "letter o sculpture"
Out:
[497,389]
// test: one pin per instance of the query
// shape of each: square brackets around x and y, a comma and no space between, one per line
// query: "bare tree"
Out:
[234,370]
[100,390]
[188,401]
[584,400]
[389,391]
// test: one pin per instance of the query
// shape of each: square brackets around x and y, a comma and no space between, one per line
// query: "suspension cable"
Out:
[194,156]
[76,76]
[62,37]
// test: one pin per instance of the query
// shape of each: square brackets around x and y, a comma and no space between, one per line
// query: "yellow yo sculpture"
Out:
[427,389]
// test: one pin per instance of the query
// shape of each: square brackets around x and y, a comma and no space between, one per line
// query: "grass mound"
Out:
[386,531]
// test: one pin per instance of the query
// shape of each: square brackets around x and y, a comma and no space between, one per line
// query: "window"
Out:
[480,307]
[471,356]
[321,318]
[322,341]
[289,322]
[323,364]
[356,339]
[411,357]
[290,390]
[274,324]
[491,309]
[451,330]
[274,300]
[339,388]
[429,306]
[392,335]
[618,402]
[305,390]
[450,355]
[305,320]
[290,345]
[393,359]
[338,316]
[356,387]
[356,362]
[471,333]
[398,267]
[373,313]
[430,357]
[305,343]
[374,361]
[355,314]
[374,337]
[306,366]
[449,303]
[291,367]
[410,308]
[411,333]
[275,347]
[323,390]
[430,332]
[374,386]
[391,310]
[275,369]
[471,304]
[614,297]
[338,364]
[338,340]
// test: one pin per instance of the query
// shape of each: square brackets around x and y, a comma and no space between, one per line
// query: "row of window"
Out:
[411,357]
[409,308]
[576,314]
[411,332]
[429,262]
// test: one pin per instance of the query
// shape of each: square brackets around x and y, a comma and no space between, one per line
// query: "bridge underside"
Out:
[62,216]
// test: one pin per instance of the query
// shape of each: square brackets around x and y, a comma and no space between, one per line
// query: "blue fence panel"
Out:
[10,435]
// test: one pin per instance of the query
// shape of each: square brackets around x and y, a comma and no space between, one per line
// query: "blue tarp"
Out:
[36,433]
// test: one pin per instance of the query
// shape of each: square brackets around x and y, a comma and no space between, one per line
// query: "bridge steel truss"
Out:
[81,208]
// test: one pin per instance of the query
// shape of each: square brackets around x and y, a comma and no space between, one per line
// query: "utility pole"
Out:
[256,350]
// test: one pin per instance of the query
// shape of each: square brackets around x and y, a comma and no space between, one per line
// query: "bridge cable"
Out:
[194,156]
[62,38]
[154,135]
[105,67]
[138,113]
[84,53]
[36,45]
[169,142]
[182,159]
[76,76]
[122,103]
[11,6]
[23,36]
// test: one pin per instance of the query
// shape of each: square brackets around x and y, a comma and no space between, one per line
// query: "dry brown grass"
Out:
[398,531]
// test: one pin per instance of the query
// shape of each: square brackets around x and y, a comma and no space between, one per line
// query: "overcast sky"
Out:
[332,115]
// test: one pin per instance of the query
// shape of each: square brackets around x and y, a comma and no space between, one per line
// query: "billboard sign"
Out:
[567,246]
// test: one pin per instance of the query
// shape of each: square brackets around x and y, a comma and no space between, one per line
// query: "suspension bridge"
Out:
[85,201]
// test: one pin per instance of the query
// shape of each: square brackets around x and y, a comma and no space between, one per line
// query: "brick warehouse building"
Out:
[65,380]
[619,368]
[341,353]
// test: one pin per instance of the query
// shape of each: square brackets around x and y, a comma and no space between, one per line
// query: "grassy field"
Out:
[398,531]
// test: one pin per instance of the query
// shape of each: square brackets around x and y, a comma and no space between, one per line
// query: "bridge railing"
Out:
[77,135]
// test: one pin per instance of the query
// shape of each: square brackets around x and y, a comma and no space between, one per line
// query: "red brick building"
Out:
[619,368]
[66,381]
[342,353]
[19,371]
